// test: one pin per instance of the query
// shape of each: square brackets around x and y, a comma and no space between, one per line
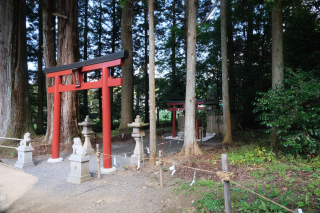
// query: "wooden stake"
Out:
[162,144]
[161,169]
[98,161]
[227,195]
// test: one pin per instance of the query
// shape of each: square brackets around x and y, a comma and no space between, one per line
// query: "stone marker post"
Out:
[87,131]
[136,134]
[79,163]
[25,153]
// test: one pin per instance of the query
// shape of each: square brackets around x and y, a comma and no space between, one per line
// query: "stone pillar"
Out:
[136,134]
[87,131]
[79,163]
[25,153]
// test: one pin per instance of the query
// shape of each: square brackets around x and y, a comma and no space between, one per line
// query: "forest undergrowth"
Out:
[290,180]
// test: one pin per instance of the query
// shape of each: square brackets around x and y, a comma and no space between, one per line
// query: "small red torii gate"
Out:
[76,70]
[174,109]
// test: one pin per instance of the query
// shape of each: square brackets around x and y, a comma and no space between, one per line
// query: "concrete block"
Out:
[79,169]
[24,157]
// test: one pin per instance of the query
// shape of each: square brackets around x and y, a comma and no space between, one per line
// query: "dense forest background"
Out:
[249,52]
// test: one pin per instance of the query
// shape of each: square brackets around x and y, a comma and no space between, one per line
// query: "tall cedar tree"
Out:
[68,53]
[40,77]
[85,56]
[153,136]
[227,136]
[277,54]
[191,146]
[126,42]
[15,111]
[146,77]
[49,51]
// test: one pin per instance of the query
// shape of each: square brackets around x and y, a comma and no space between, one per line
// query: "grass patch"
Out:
[290,180]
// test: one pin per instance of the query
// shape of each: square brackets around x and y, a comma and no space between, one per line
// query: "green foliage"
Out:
[292,110]
[250,155]
[209,202]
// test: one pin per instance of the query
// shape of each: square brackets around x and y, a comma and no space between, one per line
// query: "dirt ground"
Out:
[129,190]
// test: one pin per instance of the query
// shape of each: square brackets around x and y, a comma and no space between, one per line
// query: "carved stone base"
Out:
[24,157]
[79,169]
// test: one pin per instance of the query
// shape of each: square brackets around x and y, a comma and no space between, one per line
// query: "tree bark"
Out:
[85,56]
[186,32]
[227,136]
[173,52]
[113,44]
[15,111]
[153,135]
[126,42]
[231,56]
[191,146]
[277,55]
[49,59]
[146,77]
[67,54]
[99,55]
[277,44]
[40,77]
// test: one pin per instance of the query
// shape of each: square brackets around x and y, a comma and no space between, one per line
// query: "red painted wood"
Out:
[105,83]
[174,109]
[56,118]
[174,124]
[112,82]
[88,85]
[197,128]
[106,118]
[50,89]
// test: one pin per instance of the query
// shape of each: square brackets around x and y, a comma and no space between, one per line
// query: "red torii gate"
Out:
[174,109]
[77,69]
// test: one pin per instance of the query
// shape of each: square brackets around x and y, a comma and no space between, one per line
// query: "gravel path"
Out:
[123,191]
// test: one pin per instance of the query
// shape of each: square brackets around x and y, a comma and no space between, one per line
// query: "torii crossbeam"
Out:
[76,70]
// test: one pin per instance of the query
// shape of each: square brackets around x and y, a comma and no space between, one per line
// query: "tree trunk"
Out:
[186,32]
[113,44]
[227,136]
[40,77]
[15,111]
[126,42]
[153,136]
[49,59]
[99,55]
[146,77]
[85,57]
[231,56]
[277,55]
[173,52]
[191,146]
[67,54]
[277,44]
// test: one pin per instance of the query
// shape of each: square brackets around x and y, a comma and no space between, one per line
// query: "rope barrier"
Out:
[11,138]
[143,148]
[9,147]
[225,176]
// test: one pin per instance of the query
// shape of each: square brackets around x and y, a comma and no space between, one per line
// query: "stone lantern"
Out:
[87,131]
[136,134]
